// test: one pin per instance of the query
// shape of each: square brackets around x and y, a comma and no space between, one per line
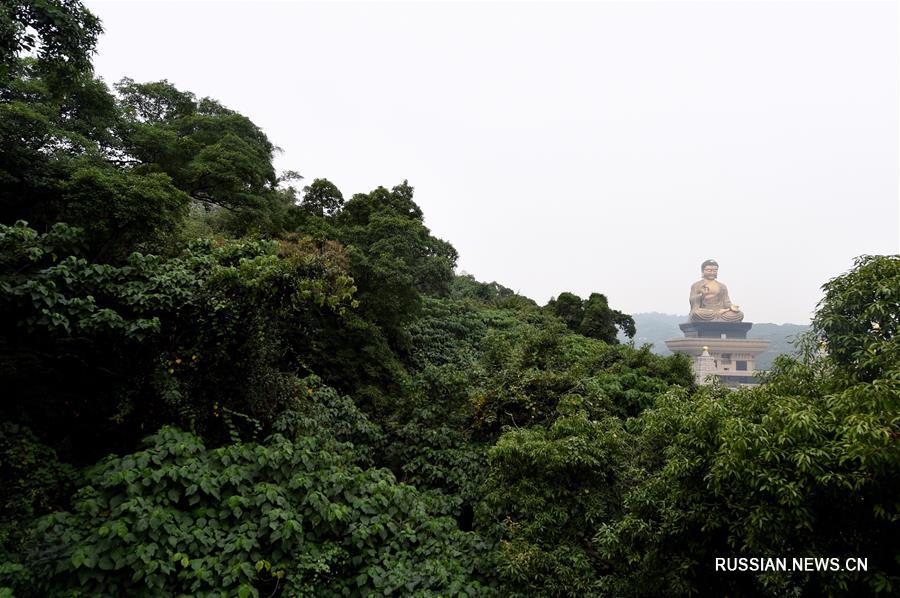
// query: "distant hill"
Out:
[656,328]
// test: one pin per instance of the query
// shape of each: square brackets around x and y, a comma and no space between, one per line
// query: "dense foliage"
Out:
[295,513]
[592,317]
[220,382]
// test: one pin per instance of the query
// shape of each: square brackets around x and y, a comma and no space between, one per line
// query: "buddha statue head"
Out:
[710,269]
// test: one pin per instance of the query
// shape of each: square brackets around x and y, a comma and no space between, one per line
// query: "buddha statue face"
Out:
[710,271]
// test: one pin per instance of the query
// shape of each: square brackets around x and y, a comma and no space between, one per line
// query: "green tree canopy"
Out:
[570,308]
[62,34]
[591,317]
[395,257]
[217,156]
[858,319]
[322,198]
[600,321]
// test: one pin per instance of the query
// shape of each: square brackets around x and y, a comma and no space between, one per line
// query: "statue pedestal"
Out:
[733,354]
[715,329]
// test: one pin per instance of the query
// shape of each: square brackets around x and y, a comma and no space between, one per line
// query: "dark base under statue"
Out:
[715,329]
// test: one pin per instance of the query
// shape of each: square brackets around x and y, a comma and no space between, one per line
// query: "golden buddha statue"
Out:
[709,298]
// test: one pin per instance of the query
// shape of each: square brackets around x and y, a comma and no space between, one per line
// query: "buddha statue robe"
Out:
[710,301]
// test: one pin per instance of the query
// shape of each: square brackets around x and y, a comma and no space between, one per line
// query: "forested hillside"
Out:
[220,379]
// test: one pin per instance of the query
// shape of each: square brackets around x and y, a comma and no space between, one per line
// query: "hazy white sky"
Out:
[606,147]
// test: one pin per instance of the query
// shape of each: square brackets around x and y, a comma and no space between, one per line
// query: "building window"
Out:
[741,366]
